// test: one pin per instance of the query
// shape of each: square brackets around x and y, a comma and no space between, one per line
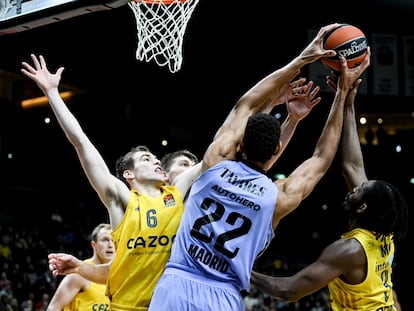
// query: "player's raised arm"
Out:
[110,189]
[301,182]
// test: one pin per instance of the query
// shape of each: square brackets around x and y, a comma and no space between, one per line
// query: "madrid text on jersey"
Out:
[204,256]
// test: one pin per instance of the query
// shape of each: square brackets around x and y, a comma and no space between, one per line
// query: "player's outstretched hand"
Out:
[39,73]
[302,99]
[62,264]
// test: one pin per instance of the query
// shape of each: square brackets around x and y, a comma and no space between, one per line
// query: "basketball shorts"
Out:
[178,290]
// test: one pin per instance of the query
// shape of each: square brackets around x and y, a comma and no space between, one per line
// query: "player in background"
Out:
[75,293]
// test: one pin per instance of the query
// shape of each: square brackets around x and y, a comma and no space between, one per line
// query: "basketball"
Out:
[348,41]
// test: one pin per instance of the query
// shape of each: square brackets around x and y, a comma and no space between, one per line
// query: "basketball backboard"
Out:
[21,15]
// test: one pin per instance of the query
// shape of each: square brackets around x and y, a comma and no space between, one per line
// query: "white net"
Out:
[161,25]
[5,6]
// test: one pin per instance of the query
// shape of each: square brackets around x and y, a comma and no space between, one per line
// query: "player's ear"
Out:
[128,174]
[362,208]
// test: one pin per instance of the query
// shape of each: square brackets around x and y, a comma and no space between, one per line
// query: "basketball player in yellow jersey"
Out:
[146,232]
[158,218]
[357,268]
[76,293]
[139,184]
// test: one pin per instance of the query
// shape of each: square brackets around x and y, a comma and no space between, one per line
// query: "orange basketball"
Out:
[348,41]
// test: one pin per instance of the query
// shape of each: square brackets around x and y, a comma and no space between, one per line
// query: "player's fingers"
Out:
[35,61]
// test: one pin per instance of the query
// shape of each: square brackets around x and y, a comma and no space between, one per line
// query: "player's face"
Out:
[104,246]
[179,165]
[147,167]
[355,198]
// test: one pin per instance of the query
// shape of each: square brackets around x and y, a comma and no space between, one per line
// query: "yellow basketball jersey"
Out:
[143,243]
[94,298]
[375,292]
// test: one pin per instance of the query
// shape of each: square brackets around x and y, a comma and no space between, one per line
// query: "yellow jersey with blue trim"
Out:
[143,242]
[375,292]
[94,298]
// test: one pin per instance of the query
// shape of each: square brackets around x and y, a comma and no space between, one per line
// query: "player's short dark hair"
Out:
[126,162]
[97,229]
[261,137]
[168,159]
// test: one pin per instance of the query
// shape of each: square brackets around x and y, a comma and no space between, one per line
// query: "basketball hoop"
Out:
[161,25]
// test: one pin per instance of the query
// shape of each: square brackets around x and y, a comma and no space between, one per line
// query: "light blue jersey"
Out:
[227,223]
